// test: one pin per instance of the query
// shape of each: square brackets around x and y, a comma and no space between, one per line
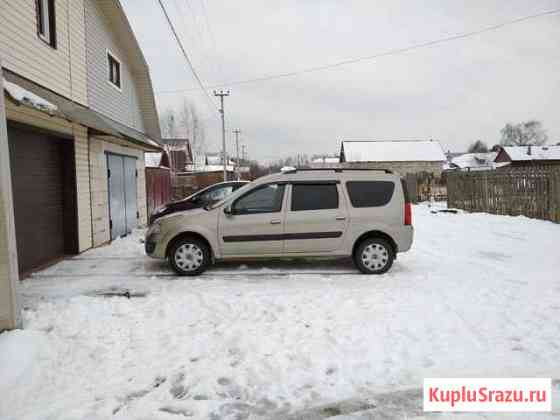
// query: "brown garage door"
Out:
[44,196]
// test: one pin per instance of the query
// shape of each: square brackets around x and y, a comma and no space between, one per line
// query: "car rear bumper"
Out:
[404,238]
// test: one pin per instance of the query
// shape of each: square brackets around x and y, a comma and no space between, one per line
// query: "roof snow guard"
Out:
[391,151]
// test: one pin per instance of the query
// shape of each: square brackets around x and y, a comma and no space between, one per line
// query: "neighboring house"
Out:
[179,153]
[523,156]
[402,157]
[80,115]
[325,162]
[474,162]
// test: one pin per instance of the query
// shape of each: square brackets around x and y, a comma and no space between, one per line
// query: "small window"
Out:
[46,21]
[370,193]
[264,199]
[314,197]
[114,70]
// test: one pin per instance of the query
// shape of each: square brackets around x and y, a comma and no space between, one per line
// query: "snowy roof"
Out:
[393,151]
[26,97]
[328,159]
[475,160]
[152,160]
[537,152]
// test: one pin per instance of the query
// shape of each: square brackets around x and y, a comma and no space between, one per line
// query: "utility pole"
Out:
[244,151]
[237,132]
[223,94]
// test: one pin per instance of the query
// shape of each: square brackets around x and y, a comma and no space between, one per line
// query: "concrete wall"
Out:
[402,168]
[9,311]
[99,187]
[61,69]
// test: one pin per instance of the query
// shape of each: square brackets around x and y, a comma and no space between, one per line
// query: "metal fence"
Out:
[532,192]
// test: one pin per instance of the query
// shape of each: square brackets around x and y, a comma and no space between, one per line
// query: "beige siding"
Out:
[77,40]
[121,105]
[24,53]
[9,317]
[99,185]
[81,151]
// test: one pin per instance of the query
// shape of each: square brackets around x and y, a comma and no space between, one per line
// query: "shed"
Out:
[522,156]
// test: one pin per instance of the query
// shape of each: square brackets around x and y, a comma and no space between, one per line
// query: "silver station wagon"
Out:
[364,214]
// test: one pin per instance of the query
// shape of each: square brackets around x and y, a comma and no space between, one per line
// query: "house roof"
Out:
[392,151]
[475,160]
[326,159]
[521,153]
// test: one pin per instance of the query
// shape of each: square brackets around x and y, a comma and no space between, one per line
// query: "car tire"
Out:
[189,256]
[374,256]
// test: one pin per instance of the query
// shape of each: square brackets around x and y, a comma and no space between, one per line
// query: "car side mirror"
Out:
[228,211]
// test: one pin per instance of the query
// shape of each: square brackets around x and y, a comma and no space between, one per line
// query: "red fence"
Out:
[158,187]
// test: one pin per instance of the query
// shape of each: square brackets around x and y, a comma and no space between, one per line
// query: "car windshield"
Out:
[239,191]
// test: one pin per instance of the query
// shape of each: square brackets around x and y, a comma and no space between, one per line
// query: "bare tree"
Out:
[524,134]
[191,125]
[478,147]
[168,123]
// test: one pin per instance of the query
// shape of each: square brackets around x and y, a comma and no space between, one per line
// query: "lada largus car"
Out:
[364,214]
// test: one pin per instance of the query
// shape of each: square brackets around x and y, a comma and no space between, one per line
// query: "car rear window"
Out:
[370,193]
[314,197]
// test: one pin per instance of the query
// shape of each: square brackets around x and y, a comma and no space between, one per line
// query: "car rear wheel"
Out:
[189,257]
[374,256]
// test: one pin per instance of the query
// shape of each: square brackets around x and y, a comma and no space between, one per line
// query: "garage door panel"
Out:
[37,165]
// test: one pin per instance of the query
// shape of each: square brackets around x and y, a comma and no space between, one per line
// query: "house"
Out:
[523,156]
[325,162]
[179,153]
[80,114]
[402,157]
[474,162]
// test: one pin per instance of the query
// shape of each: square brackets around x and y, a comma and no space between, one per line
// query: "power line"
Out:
[186,55]
[390,52]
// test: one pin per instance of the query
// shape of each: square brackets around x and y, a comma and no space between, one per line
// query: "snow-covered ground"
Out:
[478,295]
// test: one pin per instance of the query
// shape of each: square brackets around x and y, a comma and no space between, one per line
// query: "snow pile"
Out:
[477,296]
[28,98]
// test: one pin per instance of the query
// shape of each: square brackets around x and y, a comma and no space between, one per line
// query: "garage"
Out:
[44,195]
[123,209]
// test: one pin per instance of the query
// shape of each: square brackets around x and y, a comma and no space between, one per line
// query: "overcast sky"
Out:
[455,92]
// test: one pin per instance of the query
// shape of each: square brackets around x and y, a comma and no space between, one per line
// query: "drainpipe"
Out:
[9,308]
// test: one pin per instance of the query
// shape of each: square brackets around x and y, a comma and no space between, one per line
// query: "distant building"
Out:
[522,156]
[402,157]
[474,162]
[179,154]
[325,162]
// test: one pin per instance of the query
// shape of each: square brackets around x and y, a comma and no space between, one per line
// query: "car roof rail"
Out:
[295,170]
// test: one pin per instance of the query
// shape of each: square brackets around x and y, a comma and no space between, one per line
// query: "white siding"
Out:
[61,70]
[99,186]
[122,106]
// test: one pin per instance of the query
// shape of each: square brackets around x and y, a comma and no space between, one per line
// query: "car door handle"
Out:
[275,222]
[340,218]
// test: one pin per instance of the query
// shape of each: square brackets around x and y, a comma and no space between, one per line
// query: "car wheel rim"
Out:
[189,257]
[375,256]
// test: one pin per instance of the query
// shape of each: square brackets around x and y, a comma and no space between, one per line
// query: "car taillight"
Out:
[407,214]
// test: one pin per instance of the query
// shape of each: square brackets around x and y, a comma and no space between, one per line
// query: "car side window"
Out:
[370,193]
[314,197]
[264,199]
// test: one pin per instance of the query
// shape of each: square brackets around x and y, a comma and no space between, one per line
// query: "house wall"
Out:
[401,168]
[61,70]
[9,316]
[81,152]
[121,105]
[98,146]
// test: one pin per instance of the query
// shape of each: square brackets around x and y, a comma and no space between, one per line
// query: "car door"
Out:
[316,217]
[253,224]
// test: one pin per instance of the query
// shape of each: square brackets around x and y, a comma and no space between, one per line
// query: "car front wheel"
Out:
[189,257]
[374,256]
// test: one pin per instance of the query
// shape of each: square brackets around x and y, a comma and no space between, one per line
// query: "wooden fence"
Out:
[532,192]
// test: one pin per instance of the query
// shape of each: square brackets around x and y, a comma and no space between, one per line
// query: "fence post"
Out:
[9,309]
